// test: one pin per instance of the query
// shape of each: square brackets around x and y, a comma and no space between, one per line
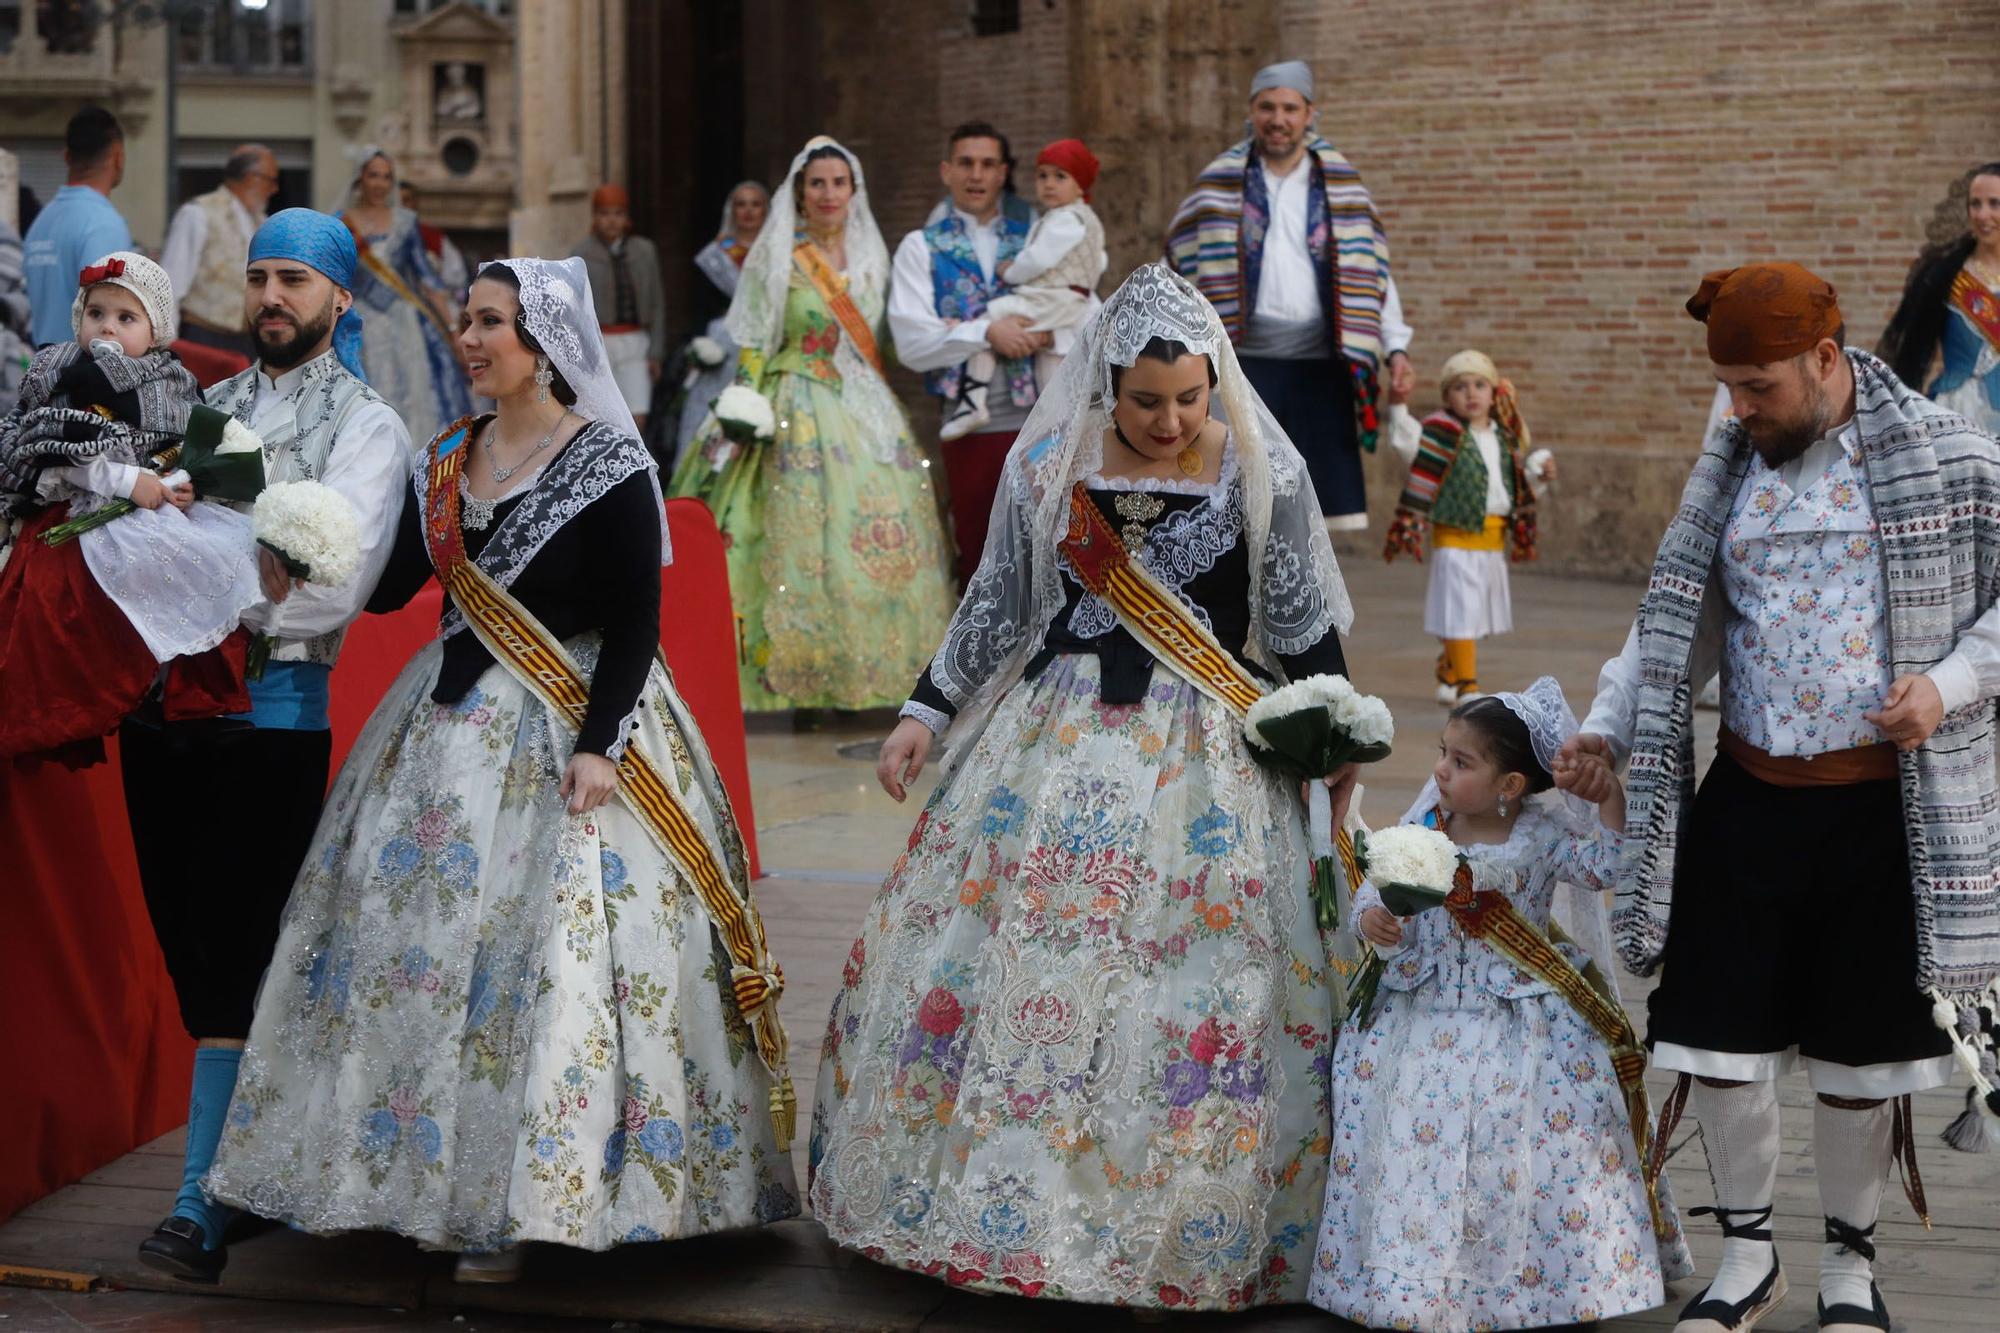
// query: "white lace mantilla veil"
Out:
[1296,591]
[1544,709]
[757,310]
[557,306]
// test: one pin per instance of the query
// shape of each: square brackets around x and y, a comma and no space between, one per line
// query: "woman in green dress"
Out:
[837,561]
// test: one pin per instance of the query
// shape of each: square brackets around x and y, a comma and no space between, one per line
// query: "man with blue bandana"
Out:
[217,918]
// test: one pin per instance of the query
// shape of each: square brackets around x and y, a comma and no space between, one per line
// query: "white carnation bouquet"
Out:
[311,529]
[1414,869]
[744,414]
[705,351]
[1307,730]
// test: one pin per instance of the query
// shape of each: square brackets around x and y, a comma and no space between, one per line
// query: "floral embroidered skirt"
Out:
[1484,1174]
[1081,1046]
[837,562]
[490,1021]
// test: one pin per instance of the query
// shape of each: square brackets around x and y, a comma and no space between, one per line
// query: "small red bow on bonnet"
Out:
[96,273]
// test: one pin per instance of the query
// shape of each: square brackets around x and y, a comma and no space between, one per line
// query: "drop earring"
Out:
[544,377]
[1503,807]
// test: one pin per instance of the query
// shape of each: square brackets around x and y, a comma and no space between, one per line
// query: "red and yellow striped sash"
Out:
[1491,916]
[1161,622]
[519,642]
[1154,616]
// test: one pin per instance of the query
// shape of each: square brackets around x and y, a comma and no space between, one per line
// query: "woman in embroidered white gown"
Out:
[500,1011]
[1080,1048]
[1484,1173]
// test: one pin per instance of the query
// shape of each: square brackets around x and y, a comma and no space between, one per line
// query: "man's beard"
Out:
[1278,141]
[1779,444]
[288,349]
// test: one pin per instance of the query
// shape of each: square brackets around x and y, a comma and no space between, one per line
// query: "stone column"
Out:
[10,189]
[571,61]
[1157,89]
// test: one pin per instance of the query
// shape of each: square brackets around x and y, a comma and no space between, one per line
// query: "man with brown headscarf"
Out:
[1828,899]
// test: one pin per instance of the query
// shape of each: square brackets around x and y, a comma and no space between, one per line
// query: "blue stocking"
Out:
[208,1106]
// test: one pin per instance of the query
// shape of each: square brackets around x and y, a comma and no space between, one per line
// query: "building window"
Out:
[274,40]
[416,8]
[991,18]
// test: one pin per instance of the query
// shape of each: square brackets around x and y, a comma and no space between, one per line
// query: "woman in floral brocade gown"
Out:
[836,553]
[1081,1046]
[499,1011]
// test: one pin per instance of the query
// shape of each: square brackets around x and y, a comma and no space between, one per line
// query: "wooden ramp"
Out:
[827,837]
[789,1277]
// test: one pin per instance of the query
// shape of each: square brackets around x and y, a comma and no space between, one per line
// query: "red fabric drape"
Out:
[96,1060]
[209,365]
[94,1057]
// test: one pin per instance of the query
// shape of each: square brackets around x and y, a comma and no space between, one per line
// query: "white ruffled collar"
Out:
[1209,490]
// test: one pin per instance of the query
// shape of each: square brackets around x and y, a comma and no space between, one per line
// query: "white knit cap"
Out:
[141,277]
[1469,362]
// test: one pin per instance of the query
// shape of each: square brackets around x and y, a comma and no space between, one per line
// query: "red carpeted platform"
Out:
[89,1034]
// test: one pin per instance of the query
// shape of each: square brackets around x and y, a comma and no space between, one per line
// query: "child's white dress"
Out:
[183,578]
[1483,1171]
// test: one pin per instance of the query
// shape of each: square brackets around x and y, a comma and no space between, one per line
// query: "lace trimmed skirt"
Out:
[1483,1172]
[490,1021]
[1081,1046]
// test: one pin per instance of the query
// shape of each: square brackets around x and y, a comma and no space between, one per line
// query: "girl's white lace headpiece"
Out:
[1546,713]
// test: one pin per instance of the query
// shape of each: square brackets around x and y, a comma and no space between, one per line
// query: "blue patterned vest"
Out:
[961,290]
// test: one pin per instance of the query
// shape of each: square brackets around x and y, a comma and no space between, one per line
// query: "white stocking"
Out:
[1851,1151]
[1739,1127]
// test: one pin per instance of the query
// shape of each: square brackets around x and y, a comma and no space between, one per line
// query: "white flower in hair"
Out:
[311,528]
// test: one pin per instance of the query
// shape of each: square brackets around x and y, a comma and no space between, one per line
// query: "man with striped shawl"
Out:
[1836,556]
[1283,239]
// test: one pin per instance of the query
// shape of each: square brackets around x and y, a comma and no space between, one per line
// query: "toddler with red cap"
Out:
[1052,278]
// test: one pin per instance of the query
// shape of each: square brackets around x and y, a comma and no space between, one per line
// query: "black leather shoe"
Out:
[176,1247]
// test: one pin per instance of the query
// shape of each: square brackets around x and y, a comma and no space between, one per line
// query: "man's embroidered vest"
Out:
[325,397]
[215,298]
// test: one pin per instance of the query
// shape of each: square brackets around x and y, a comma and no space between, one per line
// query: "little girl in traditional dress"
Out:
[1474,482]
[1052,278]
[86,624]
[1484,1170]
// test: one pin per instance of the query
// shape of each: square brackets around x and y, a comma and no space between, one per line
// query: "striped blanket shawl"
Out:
[1441,491]
[1934,481]
[1217,243]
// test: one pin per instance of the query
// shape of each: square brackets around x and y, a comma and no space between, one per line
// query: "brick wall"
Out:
[1555,174]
